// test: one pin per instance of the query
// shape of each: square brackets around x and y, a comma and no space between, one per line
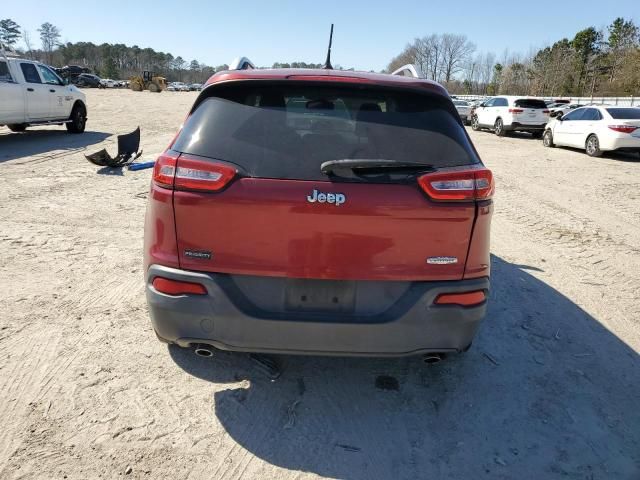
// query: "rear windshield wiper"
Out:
[372,166]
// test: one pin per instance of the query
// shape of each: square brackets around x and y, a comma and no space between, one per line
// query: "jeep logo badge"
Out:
[336,198]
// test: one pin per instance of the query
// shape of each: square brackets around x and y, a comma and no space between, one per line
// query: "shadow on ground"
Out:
[545,392]
[36,142]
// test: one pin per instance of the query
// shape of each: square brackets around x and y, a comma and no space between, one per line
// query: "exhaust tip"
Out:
[204,351]
[432,358]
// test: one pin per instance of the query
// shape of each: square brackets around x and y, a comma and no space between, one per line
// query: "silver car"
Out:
[464,110]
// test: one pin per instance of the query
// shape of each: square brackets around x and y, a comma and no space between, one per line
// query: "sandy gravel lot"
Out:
[550,388]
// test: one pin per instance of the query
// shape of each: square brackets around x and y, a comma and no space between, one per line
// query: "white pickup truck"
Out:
[33,94]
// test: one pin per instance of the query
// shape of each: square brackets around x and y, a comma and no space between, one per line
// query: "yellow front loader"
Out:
[148,81]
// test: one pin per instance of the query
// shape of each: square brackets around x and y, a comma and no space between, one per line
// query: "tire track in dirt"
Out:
[583,244]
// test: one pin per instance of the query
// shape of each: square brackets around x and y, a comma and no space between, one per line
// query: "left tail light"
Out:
[185,172]
[458,185]
[164,169]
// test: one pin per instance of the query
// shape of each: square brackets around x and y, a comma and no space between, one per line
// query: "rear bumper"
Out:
[526,127]
[622,143]
[229,321]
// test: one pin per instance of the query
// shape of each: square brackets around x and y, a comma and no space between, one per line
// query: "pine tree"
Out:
[9,32]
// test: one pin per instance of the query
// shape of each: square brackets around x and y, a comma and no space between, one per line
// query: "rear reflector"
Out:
[176,287]
[546,112]
[466,299]
[623,128]
[458,185]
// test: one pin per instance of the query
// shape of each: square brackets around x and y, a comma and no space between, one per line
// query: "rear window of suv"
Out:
[530,103]
[632,113]
[288,130]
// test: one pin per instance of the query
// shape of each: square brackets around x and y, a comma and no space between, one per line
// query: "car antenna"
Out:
[327,63]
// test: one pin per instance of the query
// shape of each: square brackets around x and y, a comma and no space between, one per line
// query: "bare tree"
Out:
[456,49]
[26,39]
[405,57]
[594,61]
[429,56]
[486,70]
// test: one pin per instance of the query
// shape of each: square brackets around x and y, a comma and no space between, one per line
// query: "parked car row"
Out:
[108,83]
[89,80]
[184,87]
[593,128]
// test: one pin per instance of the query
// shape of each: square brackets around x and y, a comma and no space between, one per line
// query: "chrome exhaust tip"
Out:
[203,350]
[432,358]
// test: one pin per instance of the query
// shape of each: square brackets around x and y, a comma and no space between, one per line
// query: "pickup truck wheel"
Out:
[18,127]
[78,119]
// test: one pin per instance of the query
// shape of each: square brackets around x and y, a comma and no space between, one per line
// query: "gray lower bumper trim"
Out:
[412,325]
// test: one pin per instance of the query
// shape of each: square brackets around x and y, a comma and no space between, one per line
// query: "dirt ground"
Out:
[550,388]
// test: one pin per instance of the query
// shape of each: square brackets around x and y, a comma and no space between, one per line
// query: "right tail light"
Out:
[458,185]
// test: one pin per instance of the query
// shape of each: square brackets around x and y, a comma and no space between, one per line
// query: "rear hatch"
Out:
[279,214]
[530,111]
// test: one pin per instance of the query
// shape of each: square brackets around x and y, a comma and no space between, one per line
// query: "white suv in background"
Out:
[511,114]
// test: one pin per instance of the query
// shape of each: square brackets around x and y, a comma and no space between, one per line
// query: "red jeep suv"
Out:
[319,212]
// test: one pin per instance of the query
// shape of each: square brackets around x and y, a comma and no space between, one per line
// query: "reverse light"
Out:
[177,287]
[466,299]
[458,185]
[623,128]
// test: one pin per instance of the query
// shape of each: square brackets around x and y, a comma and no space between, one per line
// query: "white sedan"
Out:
[596,129]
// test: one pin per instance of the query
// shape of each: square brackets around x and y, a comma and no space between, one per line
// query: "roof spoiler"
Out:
[242,63]
[408,70]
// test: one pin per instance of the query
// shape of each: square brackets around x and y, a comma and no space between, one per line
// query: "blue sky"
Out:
[367,33]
